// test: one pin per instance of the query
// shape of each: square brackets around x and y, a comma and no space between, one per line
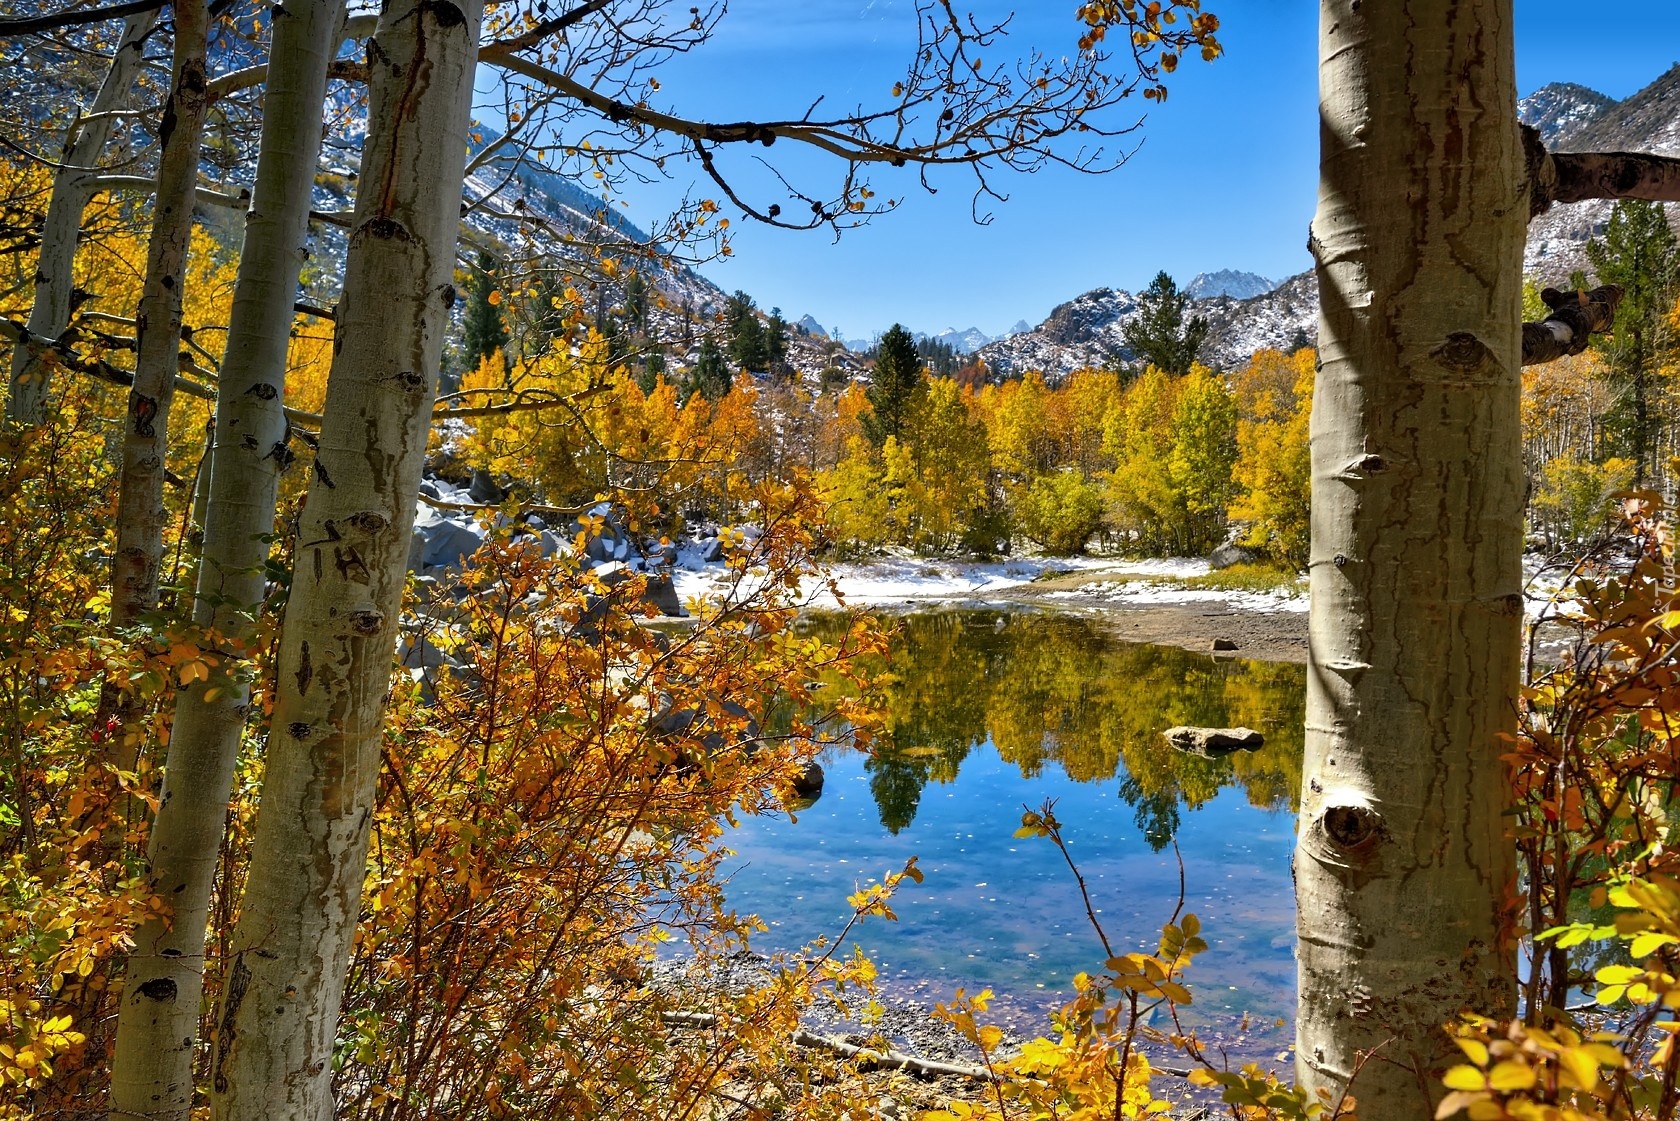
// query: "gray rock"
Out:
[1212,743]
[688,721]
[429,488]
[809,784]
[1231,553]
[1220,644]
[662,594]
[483,488]
[422,653]
[449,543]
[417,545]
[423,662]
[711,550]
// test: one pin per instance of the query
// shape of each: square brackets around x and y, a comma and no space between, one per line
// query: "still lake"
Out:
[993,711]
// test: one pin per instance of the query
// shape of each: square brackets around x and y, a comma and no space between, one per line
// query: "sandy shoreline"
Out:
[1270,636]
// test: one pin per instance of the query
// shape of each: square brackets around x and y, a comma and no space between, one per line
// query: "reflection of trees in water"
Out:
[936,707]
[1051,689]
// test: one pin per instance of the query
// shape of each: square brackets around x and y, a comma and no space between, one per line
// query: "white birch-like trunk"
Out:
[49,315]
[291,948]
[1403,872]
[140,513]
[157,1035]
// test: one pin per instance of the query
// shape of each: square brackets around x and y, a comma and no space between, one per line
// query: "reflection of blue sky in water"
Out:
[1004,913]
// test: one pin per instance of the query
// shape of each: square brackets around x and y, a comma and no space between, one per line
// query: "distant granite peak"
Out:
[1228,282]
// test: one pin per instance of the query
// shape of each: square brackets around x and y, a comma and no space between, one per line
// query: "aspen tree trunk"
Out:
[291,948]
[140,513]
[1403,872]
[49,315]
[157,1033]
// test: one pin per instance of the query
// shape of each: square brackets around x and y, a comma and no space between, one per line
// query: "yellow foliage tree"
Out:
[1274,466]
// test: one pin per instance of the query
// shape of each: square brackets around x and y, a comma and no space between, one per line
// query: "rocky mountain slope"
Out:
[1087,330]
[1562,109]
[1649,121]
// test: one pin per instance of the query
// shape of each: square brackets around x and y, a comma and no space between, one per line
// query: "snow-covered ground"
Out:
[1150,593]
[906,581]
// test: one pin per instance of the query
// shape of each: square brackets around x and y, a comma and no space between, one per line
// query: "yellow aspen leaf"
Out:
[1581,1067]
[1511,1075]
[1464,1077]
[1454,1103]
[1650,942]
[1176,993]
[1474,1049]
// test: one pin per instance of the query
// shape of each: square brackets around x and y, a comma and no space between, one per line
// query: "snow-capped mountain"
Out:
[1228,282]
[1649,121]
[963,342]
[1562,109]
[1088,329]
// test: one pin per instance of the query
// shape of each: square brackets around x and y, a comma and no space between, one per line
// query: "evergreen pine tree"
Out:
[747,344]
[892,387]
[483,332]
[647,379]
[1639,252]
[775,336]
[711,376]
[636,302]
[1160,336]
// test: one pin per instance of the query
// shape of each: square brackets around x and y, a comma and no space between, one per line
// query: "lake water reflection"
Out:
[993,710]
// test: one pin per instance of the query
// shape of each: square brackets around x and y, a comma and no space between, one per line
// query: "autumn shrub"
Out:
[553,810]
[71,799]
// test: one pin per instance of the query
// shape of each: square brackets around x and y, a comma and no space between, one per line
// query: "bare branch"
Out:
[1575,316]
[76,17]
[1616,175]
[547,27]
[1556,177]
[343,70]
[206,195]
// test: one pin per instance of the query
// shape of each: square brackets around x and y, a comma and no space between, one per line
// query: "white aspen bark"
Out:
[49,315]
[291,949]
[157,1034]
[1403,872]
[140,512]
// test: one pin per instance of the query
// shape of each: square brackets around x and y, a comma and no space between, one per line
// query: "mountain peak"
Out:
[1228,282]
[1560,110]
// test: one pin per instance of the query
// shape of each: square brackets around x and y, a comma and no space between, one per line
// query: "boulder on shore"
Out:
[1230,554]
[1211,743]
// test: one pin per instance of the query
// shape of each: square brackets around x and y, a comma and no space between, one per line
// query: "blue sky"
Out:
[1224,176]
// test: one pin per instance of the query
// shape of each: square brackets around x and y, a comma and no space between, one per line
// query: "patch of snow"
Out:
[1152,593]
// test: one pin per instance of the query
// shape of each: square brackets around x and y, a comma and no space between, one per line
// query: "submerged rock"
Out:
[1211,743]
[809,784]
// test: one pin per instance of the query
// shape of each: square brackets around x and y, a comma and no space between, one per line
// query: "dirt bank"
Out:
[1271,636]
